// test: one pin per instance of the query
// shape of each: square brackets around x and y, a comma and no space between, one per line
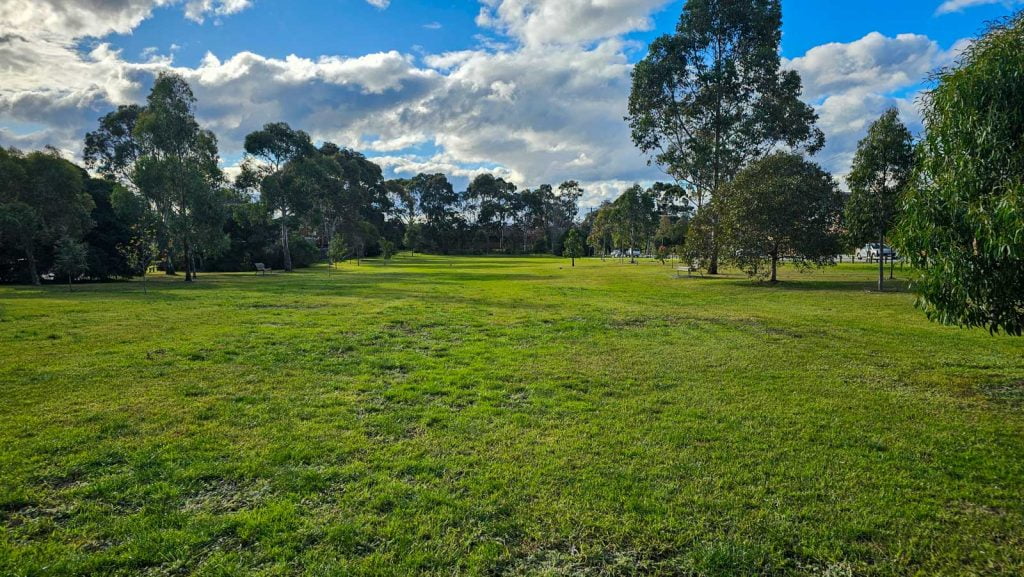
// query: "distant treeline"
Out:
[156,197]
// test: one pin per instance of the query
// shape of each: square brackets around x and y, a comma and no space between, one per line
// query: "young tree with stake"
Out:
[880,172]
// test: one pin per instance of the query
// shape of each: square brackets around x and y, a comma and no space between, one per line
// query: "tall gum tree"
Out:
[712,98]
[272,167]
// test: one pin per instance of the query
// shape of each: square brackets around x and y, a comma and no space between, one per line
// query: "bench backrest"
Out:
[259,266]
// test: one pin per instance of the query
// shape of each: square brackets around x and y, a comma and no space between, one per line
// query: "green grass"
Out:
[511,416]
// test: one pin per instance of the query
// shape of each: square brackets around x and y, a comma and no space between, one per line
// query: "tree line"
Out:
[160,199]
[711,105]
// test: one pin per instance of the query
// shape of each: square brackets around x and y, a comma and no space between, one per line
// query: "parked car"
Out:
[871,251]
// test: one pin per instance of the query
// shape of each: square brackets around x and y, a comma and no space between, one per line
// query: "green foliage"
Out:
[338,250]
[528,420]
[71,259]
[387,249]
[633,218]
[878,177]
[573,246]
[780,206]
[712,97]
[175,169]
[42,199]
[963,222]
[304,251]
[282,168]
[110,231]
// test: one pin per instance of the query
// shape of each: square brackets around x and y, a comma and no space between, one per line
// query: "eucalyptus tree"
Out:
[489,199]
[113,148]
[159,152]
[439,206]
[365,195]
[780,206]
[282,181]
[878,177]
[712,97]
[633,218]
[600,222]
[962,225]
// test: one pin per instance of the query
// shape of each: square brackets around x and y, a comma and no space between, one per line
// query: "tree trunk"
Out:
[881,261]
[32,271]
[284,245]
[169,269]
[713,267]
[892,260]
[188,260]
[573,261]
[69,282]
[775,267]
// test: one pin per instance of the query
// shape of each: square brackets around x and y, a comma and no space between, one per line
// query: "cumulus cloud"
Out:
[547,106]
[950,6]
[852,84]
[382,4]
[873,64]
[567,21]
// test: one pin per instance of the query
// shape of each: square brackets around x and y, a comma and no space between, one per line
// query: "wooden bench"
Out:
[688,269]
[262,268]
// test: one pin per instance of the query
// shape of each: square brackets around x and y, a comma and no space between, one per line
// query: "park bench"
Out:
[688,269]
[262,268]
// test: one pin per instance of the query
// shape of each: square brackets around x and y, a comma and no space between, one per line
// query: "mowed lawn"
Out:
[504,416]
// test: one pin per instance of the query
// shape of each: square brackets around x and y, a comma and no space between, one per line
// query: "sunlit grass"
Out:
[504,416]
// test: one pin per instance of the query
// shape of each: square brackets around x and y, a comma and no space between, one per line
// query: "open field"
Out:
[504,416]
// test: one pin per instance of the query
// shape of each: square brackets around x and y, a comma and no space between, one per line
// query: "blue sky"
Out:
[531,89]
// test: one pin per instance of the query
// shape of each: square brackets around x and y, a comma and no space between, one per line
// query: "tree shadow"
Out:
[894,286]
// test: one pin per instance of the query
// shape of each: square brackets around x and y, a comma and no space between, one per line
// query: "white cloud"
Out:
[535,22]
[382,4]
[950,6]
[546,107]
[852,84]
[197,10]
[873,64]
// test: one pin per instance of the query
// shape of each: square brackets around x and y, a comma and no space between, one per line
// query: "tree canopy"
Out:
[878,177]
[712,97]
[780,206]
[963,217]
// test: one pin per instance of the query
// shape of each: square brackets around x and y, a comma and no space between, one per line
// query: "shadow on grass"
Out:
[894,286]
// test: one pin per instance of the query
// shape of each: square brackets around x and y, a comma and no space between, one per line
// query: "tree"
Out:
[633,218]
[338,250]
[600,222]
[963,215]
[113,148]
[387,249]
[71,259]
[573,248]
[142,246]
[780,206]
[879,175]
[438,203]
[177,171]
[42,199]
[712,98]
[489,198]
[277,171]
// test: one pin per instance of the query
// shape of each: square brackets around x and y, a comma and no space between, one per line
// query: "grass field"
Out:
[445,416]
